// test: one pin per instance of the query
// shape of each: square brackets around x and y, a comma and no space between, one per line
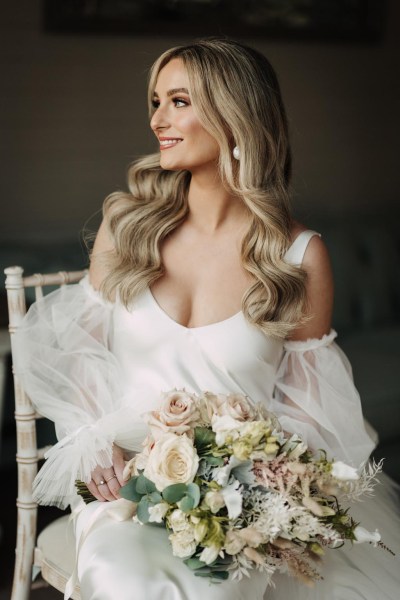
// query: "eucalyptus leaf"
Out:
[194,563]
[143,510]
[186,504]
[155,497]
[194,493]
[144,485]
[220,575]
[128,491]
[175,492]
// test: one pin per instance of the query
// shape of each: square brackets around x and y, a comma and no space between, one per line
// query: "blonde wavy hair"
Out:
[235,93]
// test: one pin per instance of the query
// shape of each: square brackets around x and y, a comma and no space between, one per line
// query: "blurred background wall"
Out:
[73,116]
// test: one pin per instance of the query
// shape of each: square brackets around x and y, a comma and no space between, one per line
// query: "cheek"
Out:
[191,125]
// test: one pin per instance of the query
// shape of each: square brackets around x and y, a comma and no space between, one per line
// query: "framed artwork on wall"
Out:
[331,20]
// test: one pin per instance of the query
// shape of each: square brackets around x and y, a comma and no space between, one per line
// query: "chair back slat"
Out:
[28,454]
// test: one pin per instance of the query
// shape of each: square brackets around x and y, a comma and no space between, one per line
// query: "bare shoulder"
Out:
[316,256]
[319,288]
[102,245]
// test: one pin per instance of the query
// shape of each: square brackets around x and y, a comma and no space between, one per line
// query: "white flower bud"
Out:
[363,535]
[344,472]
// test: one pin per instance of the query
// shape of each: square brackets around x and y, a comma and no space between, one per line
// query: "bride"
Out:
[199,279]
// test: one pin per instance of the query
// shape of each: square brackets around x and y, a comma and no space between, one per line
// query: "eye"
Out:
[179,102]
[155,103]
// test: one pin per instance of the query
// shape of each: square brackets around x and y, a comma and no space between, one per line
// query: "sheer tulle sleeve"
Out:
[63,361]
[316,398]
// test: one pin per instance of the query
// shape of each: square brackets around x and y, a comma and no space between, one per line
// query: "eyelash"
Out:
[156,103]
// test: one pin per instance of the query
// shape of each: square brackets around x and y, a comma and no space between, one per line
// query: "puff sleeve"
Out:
[315,397]
[64,363]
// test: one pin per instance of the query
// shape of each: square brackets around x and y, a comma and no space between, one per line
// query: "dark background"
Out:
[73,115]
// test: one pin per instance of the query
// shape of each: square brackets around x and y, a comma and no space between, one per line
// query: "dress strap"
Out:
[295,253]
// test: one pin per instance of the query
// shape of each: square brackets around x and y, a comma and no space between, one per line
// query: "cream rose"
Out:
[238,407]
[183,543]
[178,414]
[178,520]
[173,459]
[210,405]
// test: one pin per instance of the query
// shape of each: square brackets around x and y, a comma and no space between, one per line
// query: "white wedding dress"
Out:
[95,367]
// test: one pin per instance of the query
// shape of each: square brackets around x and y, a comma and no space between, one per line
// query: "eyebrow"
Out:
[174,91]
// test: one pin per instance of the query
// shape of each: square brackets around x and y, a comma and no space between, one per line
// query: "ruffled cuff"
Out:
[76,455]
[311,343]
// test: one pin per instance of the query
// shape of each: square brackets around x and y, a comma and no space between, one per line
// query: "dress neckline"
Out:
[294,255]
[183,327]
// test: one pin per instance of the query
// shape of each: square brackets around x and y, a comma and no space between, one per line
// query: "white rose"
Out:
[344,472]
[238,407]
[183,544]
[363,535]
[158,512]
[173,459]
[210,405]
[178,413]
[178,520]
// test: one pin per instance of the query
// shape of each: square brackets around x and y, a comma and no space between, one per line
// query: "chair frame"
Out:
[28,454]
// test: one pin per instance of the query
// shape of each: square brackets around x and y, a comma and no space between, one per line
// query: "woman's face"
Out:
[184,143]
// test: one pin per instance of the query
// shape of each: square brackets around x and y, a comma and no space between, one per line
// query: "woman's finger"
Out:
[111,480]
[92,487]
[119,464]
[104,490]
[114,487]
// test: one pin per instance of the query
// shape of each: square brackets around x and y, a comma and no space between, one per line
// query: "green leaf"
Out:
[220,575]
[155,497]
[186,504]
[203,439]
[194,493]
[128,491]
[143,510]
[194,563]
[175,492]
[144,485]
[217,576]
[214,461]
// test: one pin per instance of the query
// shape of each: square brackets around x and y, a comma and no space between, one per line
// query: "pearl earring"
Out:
[236,153]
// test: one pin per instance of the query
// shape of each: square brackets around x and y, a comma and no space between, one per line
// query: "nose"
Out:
[158,120]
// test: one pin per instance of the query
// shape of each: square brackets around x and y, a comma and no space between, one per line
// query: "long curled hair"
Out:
[236,96]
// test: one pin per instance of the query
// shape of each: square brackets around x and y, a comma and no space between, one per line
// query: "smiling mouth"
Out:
[169,143]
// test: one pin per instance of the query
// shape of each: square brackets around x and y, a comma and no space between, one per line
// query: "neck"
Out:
[211,206]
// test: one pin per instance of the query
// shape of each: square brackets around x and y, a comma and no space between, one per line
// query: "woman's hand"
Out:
[105,483]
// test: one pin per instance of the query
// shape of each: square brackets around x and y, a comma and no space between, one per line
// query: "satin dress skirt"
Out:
[128,561]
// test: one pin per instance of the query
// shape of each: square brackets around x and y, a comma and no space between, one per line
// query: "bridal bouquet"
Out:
[236,493]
